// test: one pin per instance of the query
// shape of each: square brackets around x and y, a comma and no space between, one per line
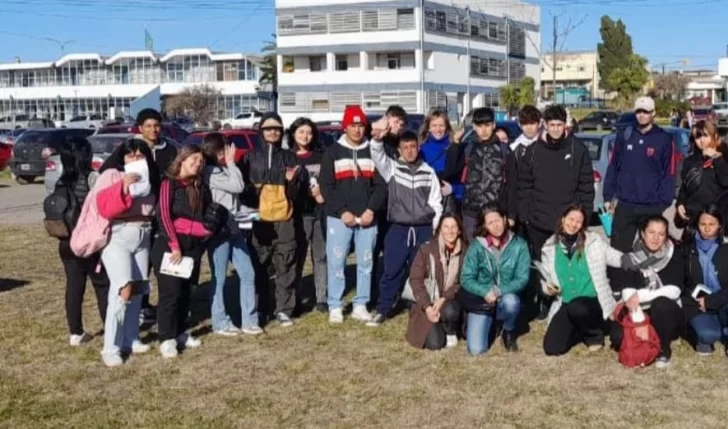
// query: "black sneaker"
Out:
[376,320]
[322,307]
[509,341]
[543,314]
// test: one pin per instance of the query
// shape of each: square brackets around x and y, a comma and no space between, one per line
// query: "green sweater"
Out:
[482,270]
[573,275]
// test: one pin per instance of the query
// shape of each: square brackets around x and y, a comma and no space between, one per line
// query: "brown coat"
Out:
[419,325]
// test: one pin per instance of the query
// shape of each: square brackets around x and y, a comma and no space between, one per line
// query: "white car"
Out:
[721,114]
[243,120]
[85,121]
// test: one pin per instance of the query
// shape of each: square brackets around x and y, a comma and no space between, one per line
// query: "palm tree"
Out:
[269,68]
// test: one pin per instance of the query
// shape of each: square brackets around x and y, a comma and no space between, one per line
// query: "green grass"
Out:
[318,376]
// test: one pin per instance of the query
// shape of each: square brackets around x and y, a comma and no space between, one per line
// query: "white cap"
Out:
[644,103]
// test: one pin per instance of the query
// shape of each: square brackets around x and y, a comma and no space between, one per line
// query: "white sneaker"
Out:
[336,315]
[361,314]
[228,332]
[188,341]
[139,348]
[452,341]
[253,330]
[77,340]
[168,349]
[112,361]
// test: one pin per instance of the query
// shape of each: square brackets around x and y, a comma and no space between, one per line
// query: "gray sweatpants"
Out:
[126,259]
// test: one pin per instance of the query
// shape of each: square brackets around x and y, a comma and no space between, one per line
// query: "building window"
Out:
[317,64]
[516,42]
[288,64]
[441,21]
[344,22]
[487,67]
[285,25]
[342,62]
[395,61]
[582,68]
[405,19]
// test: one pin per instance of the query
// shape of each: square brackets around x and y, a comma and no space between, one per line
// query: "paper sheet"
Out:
[143,186]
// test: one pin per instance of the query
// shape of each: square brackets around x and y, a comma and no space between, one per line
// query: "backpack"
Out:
[92,230]
[274,205]
[61,210]
[635,352]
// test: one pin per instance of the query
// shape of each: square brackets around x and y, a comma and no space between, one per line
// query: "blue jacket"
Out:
[444,158]
[642,169]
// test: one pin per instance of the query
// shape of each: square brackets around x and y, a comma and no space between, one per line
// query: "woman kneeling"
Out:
[496,269]
[574,271]
[434,320]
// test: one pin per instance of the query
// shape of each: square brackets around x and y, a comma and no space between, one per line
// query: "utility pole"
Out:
[553,47]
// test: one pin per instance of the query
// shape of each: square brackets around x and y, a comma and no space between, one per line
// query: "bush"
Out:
[663,108]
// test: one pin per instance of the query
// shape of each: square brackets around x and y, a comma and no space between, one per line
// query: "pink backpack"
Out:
[92,231]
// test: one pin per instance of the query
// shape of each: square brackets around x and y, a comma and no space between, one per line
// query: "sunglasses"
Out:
[643,112]
[279,129]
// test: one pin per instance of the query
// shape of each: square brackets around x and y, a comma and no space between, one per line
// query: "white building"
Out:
[418,54]
[81,84]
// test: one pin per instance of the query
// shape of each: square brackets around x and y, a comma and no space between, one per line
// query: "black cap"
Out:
[483,115]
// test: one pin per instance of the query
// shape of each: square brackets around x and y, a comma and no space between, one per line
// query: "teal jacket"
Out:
[482,272]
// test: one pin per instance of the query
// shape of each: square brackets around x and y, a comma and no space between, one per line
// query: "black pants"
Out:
[274,246]
[78,270]
[174,293]
[627,221]
[666,317]
[450,316]
[579,320]
[534,300]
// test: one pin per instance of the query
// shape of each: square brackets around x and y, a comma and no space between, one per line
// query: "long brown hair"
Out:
[211,146]
[705,128]
[433,114]
[581,234]
[194,186]
[461,235]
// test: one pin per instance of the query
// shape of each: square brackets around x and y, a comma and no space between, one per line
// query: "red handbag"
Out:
[634,351]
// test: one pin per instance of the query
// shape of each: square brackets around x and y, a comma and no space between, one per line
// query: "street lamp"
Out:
[61,44]
[467,68]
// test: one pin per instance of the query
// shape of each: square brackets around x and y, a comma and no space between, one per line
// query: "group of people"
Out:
[477,233]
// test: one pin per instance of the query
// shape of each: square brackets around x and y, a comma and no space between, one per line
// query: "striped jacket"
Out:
[414,189]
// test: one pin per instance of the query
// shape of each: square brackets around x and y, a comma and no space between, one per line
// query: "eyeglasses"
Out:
[642,112]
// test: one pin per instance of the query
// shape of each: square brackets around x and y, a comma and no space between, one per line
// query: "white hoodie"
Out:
[523,140]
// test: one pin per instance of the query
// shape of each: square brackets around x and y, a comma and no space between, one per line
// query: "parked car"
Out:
[20,121]
[170,130]
[704,114]
[85,121]
[101,147]
[6,145]
[242,120]
[598,120]
[625,120]
[34,146]
[721,114]
[511,127]
[244,140]
[329,134]
[40,123]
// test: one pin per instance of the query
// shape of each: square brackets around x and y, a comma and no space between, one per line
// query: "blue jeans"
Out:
[338,239]
[220,253]
[478,330]
[711,327]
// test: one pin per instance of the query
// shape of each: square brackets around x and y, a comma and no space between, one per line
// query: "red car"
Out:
[169,130]
[7,139]
[704,114]
[243,139]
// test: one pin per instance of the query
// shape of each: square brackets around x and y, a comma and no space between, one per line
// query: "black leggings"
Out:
[78,270]
[579,320]
[450,316]
[666,317]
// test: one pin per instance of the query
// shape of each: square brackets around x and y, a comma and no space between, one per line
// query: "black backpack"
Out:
[62,210]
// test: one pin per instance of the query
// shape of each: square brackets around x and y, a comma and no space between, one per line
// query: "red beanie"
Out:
[353,115]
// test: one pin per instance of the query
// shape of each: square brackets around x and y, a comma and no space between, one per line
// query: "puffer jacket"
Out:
[703,181]
[490,177]
[519,146]
[599,255]
[552,176]
[504,270]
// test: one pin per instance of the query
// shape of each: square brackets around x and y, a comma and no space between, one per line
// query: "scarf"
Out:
[706,252]
[450,260]
[568,243]
[650,263]
[555,144]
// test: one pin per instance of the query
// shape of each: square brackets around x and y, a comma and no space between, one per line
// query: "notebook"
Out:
[182,270]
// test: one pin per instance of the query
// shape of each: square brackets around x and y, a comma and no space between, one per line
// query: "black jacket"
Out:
[174,203]
[673,274]
[694,276]
[551,176]
[349,181]
[267,164]
[164,154]
[703,181]
[490,177]
[305,204]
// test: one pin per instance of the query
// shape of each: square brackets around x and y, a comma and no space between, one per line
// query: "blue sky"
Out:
[662,30]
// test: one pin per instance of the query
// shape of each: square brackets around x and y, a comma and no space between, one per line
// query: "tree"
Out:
[671,86]
[199,103]
[629,80]
[269,67]
[615,50]
[516,95]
